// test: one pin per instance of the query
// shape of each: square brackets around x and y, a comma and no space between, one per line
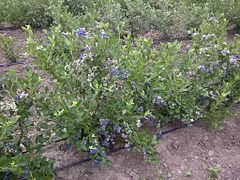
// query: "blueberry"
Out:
[69,147]
[102,35]
[140,109]
[104,123]
[93,151]
[115,71]
[159,100]
[117,128]
[202,68]
[18,97]
[124,75]
[204,37]
[159,134]
[106,143]
[7,174]
[233,60]
[225,52]
[6,178]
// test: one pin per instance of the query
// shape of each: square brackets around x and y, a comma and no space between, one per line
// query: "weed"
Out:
[189,173]
[8,49]
[213,172]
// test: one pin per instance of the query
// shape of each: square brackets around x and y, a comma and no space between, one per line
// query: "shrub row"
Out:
[106,90]
[137,16]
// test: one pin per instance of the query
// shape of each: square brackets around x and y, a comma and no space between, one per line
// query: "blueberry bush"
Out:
[106,90]
[33,12]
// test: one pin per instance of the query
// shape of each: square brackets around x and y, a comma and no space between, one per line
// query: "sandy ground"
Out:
[189,151]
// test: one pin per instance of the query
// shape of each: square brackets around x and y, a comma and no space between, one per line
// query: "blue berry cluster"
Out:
[225,52]
[21,96]
[158,101]
[102,35]
[124,75]
[115,71]
[81,32]
[234,59]
[7,175]
[117,128]
[103,123]
[202,68]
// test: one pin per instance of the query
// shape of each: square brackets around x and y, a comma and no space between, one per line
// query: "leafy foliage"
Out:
[105,90]
[20,151]
[136,16]
[8,49]
[32,12]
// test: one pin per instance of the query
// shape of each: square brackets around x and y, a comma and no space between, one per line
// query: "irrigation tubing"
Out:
[77,163]
[9,28]
[13,64]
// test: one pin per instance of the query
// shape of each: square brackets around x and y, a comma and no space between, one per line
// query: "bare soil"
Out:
[192,149]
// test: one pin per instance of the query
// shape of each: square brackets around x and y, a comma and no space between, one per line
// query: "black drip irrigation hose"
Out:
[186,38]
[72,165]
[77,163]
[13,64]
[9,28]
[86,160]
[178,127]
